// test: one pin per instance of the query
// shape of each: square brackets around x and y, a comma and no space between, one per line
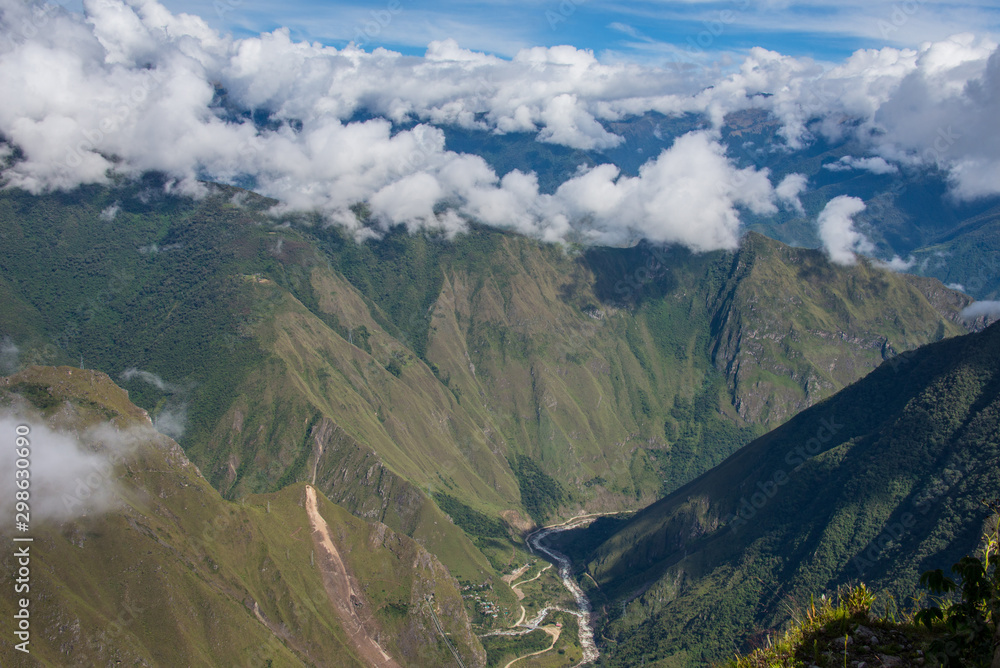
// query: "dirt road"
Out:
[552,631]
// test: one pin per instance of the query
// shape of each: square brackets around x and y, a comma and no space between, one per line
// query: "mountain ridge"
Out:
[489,373]
[881,481]
[171,573]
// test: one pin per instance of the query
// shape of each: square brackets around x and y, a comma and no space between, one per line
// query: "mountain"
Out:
[910,212]
[169,573]
[419,379]
[967,256]
[879,483]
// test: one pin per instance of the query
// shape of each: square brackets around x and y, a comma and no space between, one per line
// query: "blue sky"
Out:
[648,31]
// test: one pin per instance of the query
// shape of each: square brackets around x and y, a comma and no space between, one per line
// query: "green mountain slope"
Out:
[174,575]
[793,328]
[910,212]
[520,379]
[880,482]
[967,255]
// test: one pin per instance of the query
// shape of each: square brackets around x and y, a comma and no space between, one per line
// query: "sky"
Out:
[651,31]
[356,97]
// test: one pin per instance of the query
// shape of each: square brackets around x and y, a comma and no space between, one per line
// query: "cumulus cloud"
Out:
[129,87]
[790,188]
[934,106]
[876,165]
[690,194]
[567,124]
[989,309]
[836,230]
[897,263]
[71,474]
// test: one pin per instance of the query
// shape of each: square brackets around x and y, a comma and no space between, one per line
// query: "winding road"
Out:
[554,632]
[535,544]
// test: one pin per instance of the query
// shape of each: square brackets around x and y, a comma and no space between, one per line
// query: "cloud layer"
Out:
[70,475]
[989,309]
[130,87]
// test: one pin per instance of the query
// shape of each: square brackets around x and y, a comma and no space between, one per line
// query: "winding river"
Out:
[535,542]
[537,545]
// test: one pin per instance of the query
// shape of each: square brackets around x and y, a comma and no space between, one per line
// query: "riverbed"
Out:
[536,542]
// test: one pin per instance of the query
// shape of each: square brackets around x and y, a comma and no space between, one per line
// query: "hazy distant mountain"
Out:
[910,213]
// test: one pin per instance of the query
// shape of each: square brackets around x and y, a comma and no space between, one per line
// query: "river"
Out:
[561,561]
[535,542]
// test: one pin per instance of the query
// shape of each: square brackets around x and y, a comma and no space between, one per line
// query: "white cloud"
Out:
[790,188]
[876,165]
[897,263]
[836,230]
[568,124]
[988,309]
[131,87]
[689,194]
[933,106]
[71,474]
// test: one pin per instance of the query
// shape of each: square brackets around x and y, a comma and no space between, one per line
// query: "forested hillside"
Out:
[878,483]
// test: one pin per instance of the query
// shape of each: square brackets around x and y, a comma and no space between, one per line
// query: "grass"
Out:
[547,354]
[173,574]
[839,632]
[895,491]
[564,653]
[501,649]
[266,328]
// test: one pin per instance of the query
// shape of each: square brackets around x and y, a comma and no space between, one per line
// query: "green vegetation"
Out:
[962,633]
[545,591]
[565,652]
[142,291]
[699,433]
[572,357]
[470,520]
[175,575]
[835,631]
[877,482]
[501,649]
[540,494]
[588,378]
[970,626]
[402,273]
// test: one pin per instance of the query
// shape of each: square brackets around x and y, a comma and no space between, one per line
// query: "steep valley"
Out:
[878,483]
[453,392]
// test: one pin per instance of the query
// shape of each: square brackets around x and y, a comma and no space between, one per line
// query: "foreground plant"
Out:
[961,629]
[841,633]
[970,625]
